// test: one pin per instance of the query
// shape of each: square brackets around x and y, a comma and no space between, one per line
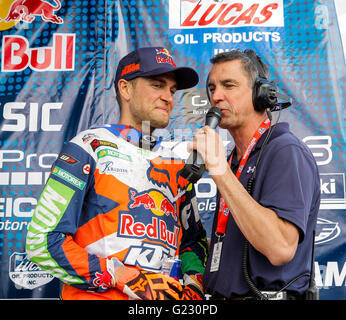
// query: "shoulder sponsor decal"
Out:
[68,177]
[68,159]
[102,143]
[113,153]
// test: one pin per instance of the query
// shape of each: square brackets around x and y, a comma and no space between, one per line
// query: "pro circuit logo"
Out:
[26,274]
[225,13]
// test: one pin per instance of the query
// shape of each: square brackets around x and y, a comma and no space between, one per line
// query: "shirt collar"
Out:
[277,130]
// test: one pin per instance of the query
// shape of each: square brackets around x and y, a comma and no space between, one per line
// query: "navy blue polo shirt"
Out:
[287,181]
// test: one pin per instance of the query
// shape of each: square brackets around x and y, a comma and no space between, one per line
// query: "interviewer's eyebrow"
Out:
[223,82]
[229,81]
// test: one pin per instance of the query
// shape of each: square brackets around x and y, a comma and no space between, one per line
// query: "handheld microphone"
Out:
[194,167]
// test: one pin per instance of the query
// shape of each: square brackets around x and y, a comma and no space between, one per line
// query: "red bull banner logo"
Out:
[185,14]
[16,54]
[28,10]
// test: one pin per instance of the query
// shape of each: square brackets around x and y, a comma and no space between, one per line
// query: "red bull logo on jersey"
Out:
[28,10]
[225,13]
[156,229]
[154,201]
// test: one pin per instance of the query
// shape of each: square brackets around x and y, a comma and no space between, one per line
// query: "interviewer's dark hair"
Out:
[251,62]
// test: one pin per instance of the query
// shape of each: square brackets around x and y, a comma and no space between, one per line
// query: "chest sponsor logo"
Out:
[107,152]
[166,173]
[102,143]
[153,200]
[108,167]
[147,256]
[156,229]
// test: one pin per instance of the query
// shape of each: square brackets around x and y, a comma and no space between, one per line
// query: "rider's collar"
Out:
[134,136]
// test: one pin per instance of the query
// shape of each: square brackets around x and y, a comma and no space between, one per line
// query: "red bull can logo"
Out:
[28,10]
[171,266]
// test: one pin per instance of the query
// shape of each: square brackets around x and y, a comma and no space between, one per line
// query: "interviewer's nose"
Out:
[216,96]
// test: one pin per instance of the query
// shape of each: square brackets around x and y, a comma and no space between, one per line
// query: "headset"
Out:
[265,94]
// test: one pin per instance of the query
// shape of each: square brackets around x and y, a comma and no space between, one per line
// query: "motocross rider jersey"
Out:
[108,197]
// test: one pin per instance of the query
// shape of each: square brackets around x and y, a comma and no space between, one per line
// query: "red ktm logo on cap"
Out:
[129,68]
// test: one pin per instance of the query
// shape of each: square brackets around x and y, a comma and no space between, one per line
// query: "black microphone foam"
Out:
[213,117]
[194,167]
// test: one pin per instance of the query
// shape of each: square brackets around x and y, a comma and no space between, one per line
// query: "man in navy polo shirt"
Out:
[274,225]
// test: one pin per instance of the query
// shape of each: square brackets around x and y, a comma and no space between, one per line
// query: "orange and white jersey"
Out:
[108,197]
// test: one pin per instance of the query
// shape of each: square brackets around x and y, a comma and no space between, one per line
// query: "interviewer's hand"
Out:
[209,144]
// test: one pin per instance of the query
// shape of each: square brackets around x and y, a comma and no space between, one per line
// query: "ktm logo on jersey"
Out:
[167,173]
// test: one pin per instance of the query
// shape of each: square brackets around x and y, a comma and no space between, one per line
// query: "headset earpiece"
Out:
[207,89]
[264,95]
[265,92]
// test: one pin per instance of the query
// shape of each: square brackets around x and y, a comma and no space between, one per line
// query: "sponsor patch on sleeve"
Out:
[68,177]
